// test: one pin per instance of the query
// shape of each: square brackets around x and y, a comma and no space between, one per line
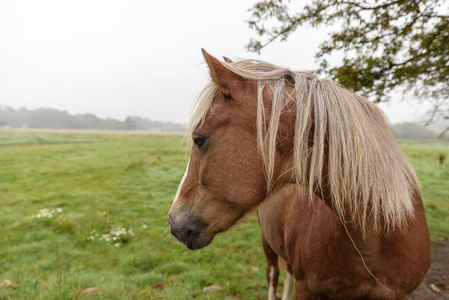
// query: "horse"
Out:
[336,197]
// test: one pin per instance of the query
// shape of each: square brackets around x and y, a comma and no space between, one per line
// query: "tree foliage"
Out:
[387,44]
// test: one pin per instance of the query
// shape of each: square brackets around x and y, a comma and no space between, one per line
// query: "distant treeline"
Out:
[56,119]
[414,131]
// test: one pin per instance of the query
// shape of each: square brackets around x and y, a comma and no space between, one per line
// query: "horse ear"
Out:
[220,75]
[228,60]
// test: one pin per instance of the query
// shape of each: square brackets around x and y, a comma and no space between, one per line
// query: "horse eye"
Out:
[199,141]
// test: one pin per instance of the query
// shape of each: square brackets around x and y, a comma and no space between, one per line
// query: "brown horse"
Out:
[340,202]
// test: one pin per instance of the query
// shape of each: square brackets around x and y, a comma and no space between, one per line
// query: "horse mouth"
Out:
[190,231]
[198,243]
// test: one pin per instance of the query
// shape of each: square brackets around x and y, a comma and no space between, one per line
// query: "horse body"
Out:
[258,129]
[325,262]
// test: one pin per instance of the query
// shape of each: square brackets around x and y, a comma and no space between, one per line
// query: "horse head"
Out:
[225,177]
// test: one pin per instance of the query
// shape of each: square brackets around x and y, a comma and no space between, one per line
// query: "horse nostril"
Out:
[189,233]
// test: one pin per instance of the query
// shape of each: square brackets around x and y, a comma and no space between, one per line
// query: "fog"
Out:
[141,58]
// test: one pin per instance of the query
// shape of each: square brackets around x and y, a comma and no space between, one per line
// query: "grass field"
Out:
[88,210]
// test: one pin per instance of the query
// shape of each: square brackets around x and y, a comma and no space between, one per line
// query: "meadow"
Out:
[83,215]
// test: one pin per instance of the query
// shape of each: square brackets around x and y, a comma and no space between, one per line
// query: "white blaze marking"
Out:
[182,182]
[271,293]
[288,287]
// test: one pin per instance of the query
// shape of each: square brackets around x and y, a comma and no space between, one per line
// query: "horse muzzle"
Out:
[189,230]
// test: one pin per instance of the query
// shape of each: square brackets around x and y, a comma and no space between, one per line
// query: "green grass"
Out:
[36,137]
[434,178]
[106,180]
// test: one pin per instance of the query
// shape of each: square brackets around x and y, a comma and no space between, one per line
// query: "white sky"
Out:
[135,57]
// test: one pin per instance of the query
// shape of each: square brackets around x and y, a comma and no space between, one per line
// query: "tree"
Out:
[387,44]
[130,123]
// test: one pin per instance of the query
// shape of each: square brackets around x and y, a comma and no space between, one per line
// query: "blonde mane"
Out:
[367,174]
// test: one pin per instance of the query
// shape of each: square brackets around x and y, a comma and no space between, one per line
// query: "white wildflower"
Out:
[46,213]
[116,234]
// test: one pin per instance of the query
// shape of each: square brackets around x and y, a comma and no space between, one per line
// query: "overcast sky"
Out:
[121,58]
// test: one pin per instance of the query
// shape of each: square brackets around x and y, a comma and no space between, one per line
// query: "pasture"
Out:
[88,210]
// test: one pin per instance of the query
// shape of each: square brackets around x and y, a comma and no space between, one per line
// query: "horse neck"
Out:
[366,240]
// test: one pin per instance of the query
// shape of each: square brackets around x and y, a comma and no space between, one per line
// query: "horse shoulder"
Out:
[406,252]
[329,262]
